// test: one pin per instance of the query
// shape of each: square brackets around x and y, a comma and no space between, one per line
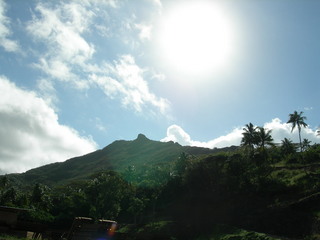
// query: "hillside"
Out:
[117,157]
[166,190]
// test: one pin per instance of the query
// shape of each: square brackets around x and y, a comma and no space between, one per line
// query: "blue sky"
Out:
[78,75]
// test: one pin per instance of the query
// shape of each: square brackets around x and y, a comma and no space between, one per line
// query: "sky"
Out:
[77,75]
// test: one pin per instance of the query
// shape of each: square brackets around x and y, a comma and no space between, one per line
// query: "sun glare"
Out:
[196,38]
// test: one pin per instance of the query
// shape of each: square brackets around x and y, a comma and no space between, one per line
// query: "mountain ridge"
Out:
[116,156]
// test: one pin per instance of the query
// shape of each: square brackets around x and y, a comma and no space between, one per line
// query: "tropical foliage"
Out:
[287,146]
[256,138]
[198,194]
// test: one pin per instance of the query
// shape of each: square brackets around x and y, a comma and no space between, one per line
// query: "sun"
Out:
[196,38]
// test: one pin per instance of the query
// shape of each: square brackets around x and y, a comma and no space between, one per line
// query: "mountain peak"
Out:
[141,137]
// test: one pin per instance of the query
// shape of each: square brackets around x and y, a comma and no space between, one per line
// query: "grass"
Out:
[288,176]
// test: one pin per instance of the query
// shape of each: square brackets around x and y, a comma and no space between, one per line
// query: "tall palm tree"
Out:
[264,138]
[297,120]
[249,136]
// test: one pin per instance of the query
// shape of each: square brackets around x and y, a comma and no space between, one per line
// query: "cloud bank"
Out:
[30,133]
[279,129]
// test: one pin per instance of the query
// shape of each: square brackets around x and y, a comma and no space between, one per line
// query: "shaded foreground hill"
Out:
[117,156]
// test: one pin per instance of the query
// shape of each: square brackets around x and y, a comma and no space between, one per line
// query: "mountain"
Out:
[117,157]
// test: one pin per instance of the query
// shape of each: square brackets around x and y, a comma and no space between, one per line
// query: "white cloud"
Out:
[176,134]
[282,130]
[55,68]
[159,77]
[30,133]
[156,2]
[47,91]
[124,80]
[8,44]
[279,132]
[98,124]
[69,58]
[111,3]
[60,29]
[308,108]
[145,31]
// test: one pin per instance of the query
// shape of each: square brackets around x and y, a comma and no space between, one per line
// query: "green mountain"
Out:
[195,195]
[117,156]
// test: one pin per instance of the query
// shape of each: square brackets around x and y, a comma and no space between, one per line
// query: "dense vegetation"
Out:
[201,194]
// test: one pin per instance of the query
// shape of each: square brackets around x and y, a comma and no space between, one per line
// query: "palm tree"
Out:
[297,120]
[306,144]
[287,146]
[264,138]
[250,136]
